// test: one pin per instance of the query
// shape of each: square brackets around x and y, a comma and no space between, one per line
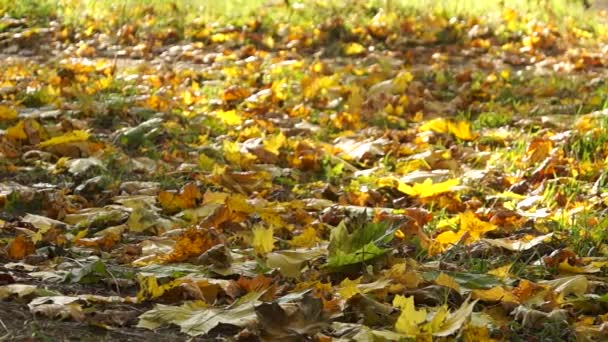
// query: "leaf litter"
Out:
[400,177]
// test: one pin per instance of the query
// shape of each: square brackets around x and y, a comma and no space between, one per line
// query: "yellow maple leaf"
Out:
[348,288]
[401,81]
[263,240]
[476,227]
[408,320]
[435,125]
[353,49]
[307,238]
[438,319]
[495,294]
[447,281]
[188,197]
[427,188]
[274,143]
[448,238]
[502,271]
[229,117]
[460,129]
[70,137]
[470,225]
[7,113]
[149,288]
[17,131]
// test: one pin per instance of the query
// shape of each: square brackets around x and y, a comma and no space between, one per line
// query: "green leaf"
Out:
[467,280]
[364,243]
[88,274]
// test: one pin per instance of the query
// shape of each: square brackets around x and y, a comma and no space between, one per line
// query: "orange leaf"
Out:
[104,243]
[20,247]
[188,197]
[191,243]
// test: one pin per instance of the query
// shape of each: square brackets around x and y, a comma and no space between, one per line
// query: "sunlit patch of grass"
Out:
[181,18]
[591,145]
[39,10]
[492,120]
[586,233]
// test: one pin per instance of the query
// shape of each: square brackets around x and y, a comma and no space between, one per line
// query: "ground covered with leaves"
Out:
[401,176]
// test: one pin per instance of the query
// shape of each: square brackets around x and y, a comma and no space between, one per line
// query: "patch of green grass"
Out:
[182,16]
[591,145]
[586,233]
[492,120]
[37,10]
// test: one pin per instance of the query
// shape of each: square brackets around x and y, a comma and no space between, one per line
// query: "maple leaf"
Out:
[348,288]
[470,226]
[263,239]
[7,113]
[307,238]
[274,143]
[229,117]
[188,197]
[428,188]
[409,318]
[460,129]
[20,247]
[364,243]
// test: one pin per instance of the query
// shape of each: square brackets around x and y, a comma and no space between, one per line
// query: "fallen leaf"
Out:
[427,188]
[20,247]
[263,239]
[410,317]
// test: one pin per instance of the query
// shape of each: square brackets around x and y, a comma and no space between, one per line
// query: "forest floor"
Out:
[306,172]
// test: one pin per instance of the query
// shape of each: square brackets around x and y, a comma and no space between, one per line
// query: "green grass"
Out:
[180,14]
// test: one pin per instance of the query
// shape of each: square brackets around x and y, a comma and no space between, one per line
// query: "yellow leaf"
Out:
[477,333]
[460,129]
[408,320]
[17,131]
[476,227]
[401,81]
[401,274]
[448,238]
[274,143]
[307,238]
[7,113]
[353,49]
[427,188]
[448,223]
[565,267]
[502,271]
[149,287]
[188,197]
[495,294]
[438,319]
[238,203]
[348,288]
[206,163]
[263,240]
[188,98]
[435,125]
[73,136]
[229,117]
[447,281]
[313,86]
